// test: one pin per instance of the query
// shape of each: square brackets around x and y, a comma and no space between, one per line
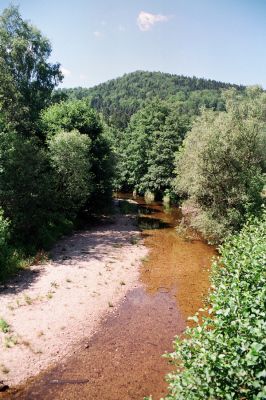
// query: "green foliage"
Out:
[69,153]
[4,326]
[26,185]
[26,77]
[78,115]
[53,163]
[221,164]
[224,358]
[70,115]
[118,99]
[10,260]
[4,237]
[148,147]
[56,226]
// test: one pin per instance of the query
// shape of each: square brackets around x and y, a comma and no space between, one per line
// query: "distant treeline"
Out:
[118,99]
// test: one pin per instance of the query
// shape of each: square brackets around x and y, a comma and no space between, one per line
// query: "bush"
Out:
[224,358]
[4,236]
[220,167]
[9,259]
[59,225]
[26,186]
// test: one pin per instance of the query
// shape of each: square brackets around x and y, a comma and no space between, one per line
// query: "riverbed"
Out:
[123,358]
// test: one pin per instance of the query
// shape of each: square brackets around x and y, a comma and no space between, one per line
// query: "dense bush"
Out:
[26,186]
[4,236]
[224,358]
[221,164]
[9,258]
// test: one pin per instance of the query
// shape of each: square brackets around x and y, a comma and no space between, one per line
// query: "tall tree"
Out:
[26,77]
[151,140]
[78,115]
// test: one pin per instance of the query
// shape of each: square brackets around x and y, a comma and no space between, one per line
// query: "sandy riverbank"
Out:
[51,308]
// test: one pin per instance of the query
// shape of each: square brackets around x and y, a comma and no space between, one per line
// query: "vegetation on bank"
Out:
[59,157]
[198,142]
[220,168]
[224,356]
[55,160]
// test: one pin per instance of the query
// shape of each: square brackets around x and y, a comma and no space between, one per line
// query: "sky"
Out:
[97,40]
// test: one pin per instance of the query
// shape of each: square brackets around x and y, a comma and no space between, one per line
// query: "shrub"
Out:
[220,167]
[26,186]
[9,259]
[224,358]
[4,235]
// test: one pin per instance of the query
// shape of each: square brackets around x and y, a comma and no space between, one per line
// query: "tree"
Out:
[118,99]
[27,79]
[161,154]
[69,115]
[151,140]
[78,115]
[69,154]
[221,164]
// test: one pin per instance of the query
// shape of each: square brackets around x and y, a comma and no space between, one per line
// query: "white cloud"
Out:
[146,20]
[98,34]
[65,71]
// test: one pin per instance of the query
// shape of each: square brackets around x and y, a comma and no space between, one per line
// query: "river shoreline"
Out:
[119,355]
[51,308]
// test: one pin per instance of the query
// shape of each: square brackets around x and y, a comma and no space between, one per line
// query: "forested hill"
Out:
[120,98]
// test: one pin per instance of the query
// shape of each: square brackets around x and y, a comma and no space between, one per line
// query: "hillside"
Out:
[120,98]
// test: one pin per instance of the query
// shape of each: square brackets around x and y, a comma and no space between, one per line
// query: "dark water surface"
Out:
[122,361]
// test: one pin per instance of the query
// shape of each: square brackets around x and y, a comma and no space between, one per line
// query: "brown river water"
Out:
[123,360]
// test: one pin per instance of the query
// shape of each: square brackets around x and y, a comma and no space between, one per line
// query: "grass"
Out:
[49,295]
[40,257]
[28,299]
[4,326]
[10,341]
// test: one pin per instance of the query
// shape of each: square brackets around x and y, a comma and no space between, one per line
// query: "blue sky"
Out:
[96,40]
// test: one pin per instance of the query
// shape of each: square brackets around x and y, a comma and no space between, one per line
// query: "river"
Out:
[123,360]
